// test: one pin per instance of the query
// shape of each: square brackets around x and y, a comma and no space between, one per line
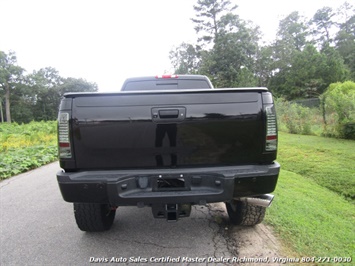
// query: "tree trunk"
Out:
[1,113]
[7,102]
[323,112]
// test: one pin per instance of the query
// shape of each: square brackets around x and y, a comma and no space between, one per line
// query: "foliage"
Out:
[185,59]
[333,117]
[208,18]
[309,73]
[345,37]
[348,130]
[306,56]
[14,161]
[24,147]
[295,117]
[227,49]
[264,66]
[35,96]
[229,64]
[339,98]
[44,96]
[293,31]
[11,79]
[322,22]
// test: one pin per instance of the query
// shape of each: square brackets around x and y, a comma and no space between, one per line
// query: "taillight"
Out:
[166,77]
[271,128]
[63,136]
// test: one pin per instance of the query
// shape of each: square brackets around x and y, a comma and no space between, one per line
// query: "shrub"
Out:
[294,117]
[339,99]
[348,130]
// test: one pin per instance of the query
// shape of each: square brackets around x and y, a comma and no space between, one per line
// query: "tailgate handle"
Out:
[169,113]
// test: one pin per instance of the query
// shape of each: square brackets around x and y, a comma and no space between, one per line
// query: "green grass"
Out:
[312,220]
[310,213]
[25,147]
[329,162]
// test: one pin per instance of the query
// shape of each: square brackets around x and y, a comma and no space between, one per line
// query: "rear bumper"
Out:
[147,187]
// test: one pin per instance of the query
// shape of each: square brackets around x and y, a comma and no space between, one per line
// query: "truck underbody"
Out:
[171,192]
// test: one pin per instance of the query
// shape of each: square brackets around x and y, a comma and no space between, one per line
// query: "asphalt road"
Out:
[38,228]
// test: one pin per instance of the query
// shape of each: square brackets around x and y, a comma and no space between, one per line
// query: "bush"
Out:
[339,99]
[294,117]
[348,130]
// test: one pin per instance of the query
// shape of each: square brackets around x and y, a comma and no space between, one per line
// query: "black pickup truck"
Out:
[167,142]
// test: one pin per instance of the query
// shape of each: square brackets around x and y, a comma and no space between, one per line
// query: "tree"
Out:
[299,69]
[293,30]
[76,85]
[230,54]
[345,14]
[208,14]
[185,59]
[291,82]
[310,73]
[345,38]
[1,112]
[264,65]
[333,69]
[35,96]
[52,89]
[323,23]
[232,59]
[44,87]
[291,38]
[11,77]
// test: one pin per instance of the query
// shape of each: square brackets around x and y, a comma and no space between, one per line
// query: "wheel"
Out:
[243,213]
[94,217]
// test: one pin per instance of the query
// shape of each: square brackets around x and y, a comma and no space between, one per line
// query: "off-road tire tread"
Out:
[92,217]
[245,214]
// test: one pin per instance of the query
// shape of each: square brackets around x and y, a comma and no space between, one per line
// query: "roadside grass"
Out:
[310,219]
[313,211]
[25,147]
[329,162]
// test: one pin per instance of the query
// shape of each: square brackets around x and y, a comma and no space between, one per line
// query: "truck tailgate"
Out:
[174,129]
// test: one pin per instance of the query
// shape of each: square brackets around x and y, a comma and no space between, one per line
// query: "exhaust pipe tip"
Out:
[260,200]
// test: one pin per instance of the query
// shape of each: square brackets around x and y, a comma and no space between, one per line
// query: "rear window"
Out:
[166,84]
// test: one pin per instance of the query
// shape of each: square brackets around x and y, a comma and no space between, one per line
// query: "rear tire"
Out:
[243,213]
[94,217]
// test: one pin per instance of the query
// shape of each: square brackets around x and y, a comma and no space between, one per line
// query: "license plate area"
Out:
[171,183]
